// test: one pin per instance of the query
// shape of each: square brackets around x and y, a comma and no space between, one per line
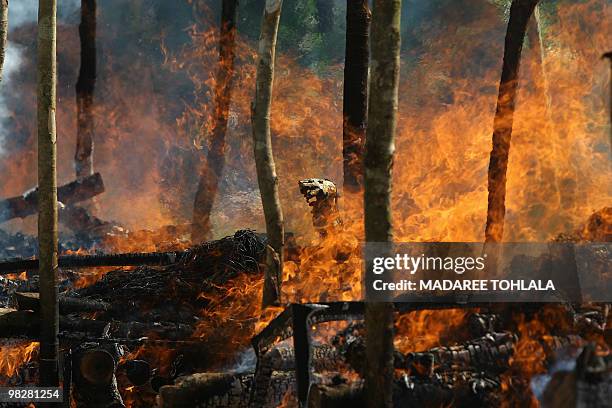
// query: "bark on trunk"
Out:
[325,15]
[355,105]
[520,13]
[210,174]
[83,158]
[3,32]
[47,192]
[264,159]
[608,55]
[378,163]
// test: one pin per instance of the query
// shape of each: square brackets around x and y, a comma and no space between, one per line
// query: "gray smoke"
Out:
[23,12]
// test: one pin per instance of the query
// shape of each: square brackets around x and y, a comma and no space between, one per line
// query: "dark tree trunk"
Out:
[83,158]
[325,15]
[520,13]
[212,169]
[355,105]
[47,192]
[264,158]
[380,138]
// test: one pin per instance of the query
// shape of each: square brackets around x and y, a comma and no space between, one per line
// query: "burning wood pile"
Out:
[312,353]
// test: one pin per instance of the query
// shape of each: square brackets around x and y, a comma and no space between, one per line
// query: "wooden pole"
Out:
[355,104]
[262,145]
[520,13]
[210,175]
[608,56]
[3,32]
[380,139]
[83,158]
[47,192]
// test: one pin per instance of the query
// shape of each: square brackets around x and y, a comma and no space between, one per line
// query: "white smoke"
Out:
[23,12]
[26,11]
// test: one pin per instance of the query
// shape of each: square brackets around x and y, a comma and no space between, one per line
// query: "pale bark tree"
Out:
[83,158]
[380,146]
[210,175]
[520,13]
[47,192]
[355,104]
[264,158]
[4,4]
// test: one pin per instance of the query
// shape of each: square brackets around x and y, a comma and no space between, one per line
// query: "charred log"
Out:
[339,396]
[221,390]
[31,301]
[93,376]
[68,194]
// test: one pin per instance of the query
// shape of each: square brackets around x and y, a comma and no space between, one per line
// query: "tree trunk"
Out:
[520,13]
[264,159]
[325,15]
[47,192]
[210,174]
[3,32]
[608,55]
[83,158]
[355,105]
[377,201]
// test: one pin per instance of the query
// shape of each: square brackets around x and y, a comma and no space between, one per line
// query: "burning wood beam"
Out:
[338,396]
[221,390]
[31,301]
[47,192]
[83,157]
[81,222]
[520,13]
[89,261]
[355,98]
[264,158]
[380,136]
[14,323]
[68,194]
[3,32]
[212,169]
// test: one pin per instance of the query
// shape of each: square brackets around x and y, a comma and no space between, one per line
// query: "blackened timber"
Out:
[31,301]
[355,97]
[221,390]
[83,158]
[89,261]
[520,14]
[68,194]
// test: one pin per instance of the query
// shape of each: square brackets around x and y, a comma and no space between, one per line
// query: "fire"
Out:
[14,354]
[422,330]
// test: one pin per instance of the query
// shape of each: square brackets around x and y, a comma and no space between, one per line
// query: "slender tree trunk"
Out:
[83,158]
[325,15]
[546,168]
[355,105]
[3,32]
[47,192]
[608,56]
[520,13]
[380,147]
[210,174]
[264,159]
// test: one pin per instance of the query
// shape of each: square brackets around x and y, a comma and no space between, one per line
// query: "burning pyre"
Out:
[181,332]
